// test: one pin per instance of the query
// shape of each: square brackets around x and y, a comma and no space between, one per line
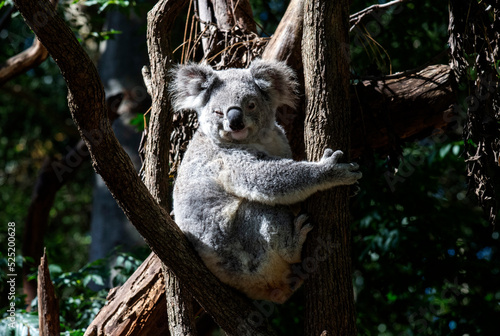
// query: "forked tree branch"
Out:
[86,101]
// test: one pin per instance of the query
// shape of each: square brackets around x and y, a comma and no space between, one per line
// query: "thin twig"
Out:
[185,32]
[356,18]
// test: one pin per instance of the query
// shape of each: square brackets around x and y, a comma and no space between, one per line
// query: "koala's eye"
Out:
[251,105]
[219,113]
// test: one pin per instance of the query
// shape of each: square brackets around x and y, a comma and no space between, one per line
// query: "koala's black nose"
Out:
[235,118]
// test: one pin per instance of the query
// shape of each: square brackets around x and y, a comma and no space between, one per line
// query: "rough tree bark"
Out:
[233,312]
[325,51]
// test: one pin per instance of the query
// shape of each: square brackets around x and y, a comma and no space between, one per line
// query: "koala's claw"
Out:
[354,174]
[353,166]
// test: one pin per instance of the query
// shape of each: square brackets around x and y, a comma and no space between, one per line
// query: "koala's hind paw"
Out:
[302,228]
[292,251]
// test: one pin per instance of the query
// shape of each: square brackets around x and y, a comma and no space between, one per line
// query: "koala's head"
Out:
[234,105]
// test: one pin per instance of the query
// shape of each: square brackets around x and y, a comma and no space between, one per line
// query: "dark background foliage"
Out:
[425,261]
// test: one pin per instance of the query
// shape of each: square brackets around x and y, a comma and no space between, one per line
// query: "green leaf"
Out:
[138,121]
[391,297]
[444,150]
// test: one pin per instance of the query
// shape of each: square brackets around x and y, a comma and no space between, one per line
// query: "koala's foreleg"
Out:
[284,181]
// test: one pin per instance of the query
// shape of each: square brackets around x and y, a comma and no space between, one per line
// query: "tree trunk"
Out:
[178,299]
[327,263]
[179,306]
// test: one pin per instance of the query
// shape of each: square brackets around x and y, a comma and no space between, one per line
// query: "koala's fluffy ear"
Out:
[277,80]
[190,84]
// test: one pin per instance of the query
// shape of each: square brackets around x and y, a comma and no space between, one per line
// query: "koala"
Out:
[237,179]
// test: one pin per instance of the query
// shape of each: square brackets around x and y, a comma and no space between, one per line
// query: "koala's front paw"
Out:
[339,173]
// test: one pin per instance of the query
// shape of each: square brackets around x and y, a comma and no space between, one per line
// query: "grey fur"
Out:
[234,188]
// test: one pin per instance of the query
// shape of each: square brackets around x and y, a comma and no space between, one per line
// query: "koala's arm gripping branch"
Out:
[281,181]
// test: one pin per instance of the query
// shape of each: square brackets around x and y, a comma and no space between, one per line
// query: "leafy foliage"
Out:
[425,256]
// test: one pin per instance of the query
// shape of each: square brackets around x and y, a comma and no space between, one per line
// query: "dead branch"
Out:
[285,44]
[48,306]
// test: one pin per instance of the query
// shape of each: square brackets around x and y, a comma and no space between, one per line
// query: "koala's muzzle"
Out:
[235,118]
